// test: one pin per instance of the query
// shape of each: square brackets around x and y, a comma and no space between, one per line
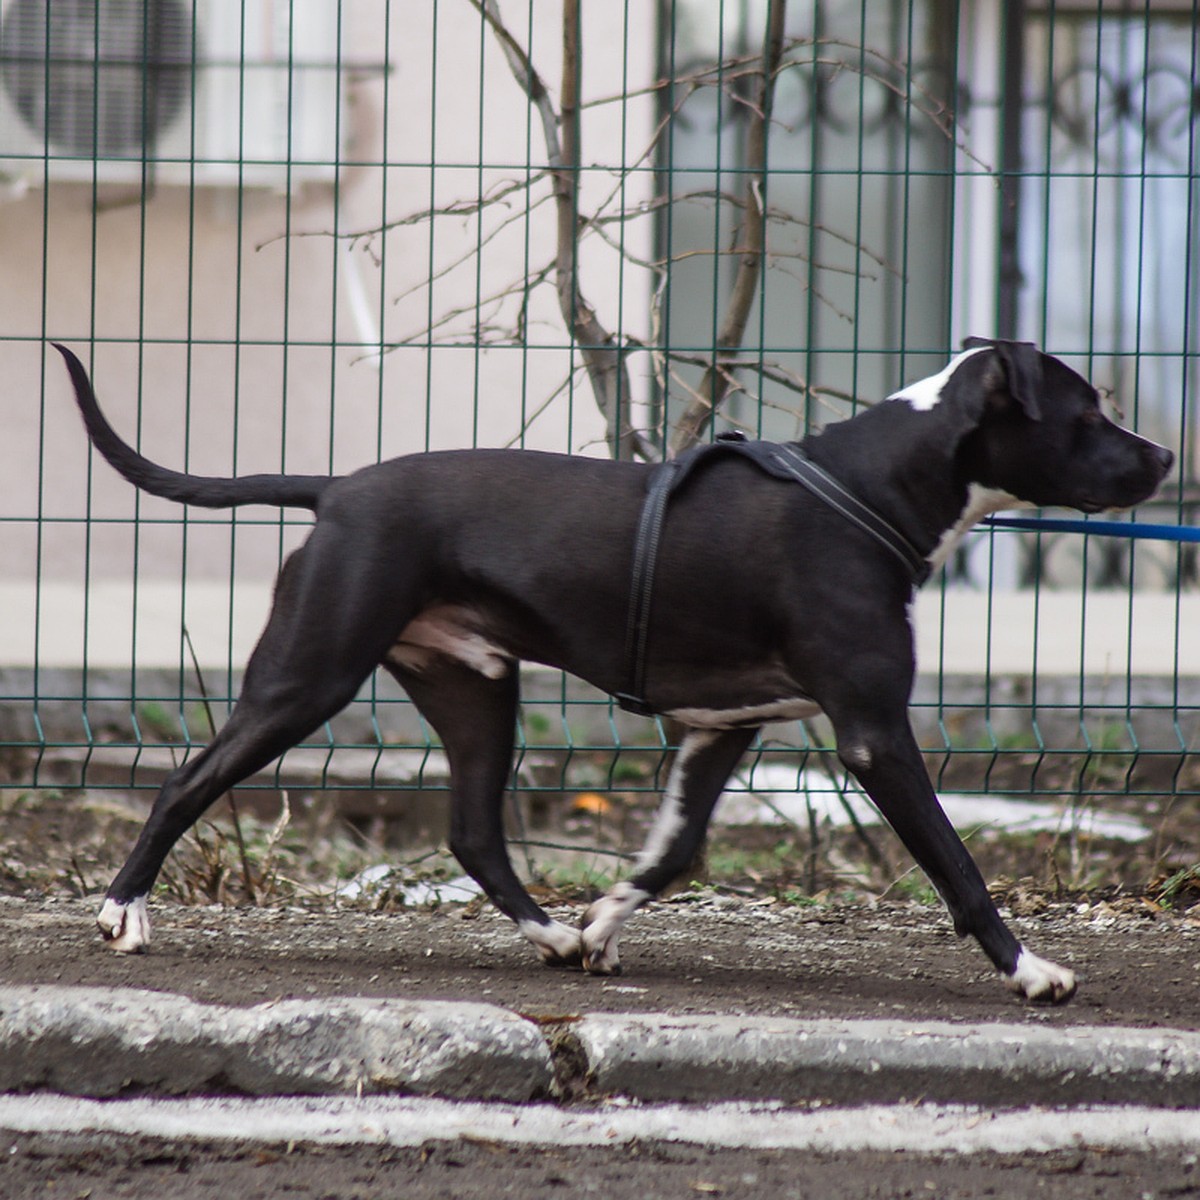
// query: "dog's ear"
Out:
[1022,363]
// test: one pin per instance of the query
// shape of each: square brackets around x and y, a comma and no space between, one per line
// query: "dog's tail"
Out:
[281,491]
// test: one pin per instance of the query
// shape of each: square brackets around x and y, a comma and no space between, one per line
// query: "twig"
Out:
[247,874]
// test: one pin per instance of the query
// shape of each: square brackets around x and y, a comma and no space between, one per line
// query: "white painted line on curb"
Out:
[928,1129]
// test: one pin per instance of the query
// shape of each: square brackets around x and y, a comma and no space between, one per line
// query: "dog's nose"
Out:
[1165,458]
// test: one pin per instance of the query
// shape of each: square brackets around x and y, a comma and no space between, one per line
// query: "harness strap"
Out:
[645,558]
[783,461]
[826,488]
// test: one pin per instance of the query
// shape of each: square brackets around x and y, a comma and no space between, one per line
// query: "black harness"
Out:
[783,460]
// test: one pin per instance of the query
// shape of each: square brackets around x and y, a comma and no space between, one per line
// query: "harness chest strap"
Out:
[783,461]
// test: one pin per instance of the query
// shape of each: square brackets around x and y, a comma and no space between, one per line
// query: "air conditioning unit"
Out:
[215,92]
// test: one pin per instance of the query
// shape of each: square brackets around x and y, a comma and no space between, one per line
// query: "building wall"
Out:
[239,329]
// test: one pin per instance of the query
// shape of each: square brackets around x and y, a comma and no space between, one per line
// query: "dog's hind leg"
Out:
[702,765]
[326,632]
[265,723]
[476,717]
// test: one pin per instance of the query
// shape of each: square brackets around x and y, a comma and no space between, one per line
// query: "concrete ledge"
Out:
[92,1042]
[103,1043]
[721,1057]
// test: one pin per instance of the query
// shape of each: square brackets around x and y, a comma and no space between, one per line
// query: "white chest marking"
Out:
[790,708]
[447,631]
[925,393]
[981,502]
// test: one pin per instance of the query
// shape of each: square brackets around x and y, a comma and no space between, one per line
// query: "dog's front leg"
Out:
[884,757]
[702,765]
[475,717]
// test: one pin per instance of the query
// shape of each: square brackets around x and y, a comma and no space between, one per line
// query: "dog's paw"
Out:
[600,926]
[1036,979]
[601,958]
[558,944]
[124,927]
[602,923]
[600,955]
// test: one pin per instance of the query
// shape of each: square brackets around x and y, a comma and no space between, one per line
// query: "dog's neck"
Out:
[981,502]
[934,508]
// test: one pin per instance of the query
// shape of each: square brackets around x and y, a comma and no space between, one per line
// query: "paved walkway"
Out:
[966,632]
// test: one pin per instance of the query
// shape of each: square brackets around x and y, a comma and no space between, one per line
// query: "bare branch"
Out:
[775,372]
[472,252]
[602,356]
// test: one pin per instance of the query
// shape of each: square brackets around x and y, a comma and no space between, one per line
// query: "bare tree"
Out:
[604,358]
[752,243]
[749,81]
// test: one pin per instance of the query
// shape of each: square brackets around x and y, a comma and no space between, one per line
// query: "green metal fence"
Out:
[307,236]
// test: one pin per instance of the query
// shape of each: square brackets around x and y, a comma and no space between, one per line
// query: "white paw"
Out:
[600,955]
[602,924]
[558,944]
[125,927]
[1037,979]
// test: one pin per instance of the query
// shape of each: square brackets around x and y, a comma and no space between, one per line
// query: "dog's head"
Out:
[1037,430]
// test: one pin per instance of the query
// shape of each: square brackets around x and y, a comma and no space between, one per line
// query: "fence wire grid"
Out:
[306,237]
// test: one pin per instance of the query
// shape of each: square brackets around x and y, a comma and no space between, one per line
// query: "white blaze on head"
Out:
[925,393]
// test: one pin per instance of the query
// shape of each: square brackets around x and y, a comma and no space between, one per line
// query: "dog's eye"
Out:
[1093,417]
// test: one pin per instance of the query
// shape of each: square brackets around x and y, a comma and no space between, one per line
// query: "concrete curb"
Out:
[856,1062]
[99,1043]
[92,1042]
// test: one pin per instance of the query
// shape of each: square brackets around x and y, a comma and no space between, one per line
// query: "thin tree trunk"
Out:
[717,379]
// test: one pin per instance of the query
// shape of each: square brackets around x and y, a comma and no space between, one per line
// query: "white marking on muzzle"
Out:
[924,394]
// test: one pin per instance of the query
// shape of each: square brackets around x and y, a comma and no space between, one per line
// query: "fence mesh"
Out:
[305,237]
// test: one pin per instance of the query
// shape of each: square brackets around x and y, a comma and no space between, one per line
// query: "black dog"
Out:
[770,601]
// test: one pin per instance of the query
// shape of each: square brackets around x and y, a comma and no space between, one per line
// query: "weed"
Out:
[157,720]
[1180,890]
[537,725]
[579,877]
[912,885]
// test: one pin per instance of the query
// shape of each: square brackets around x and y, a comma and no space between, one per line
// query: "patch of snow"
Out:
[776,794]
[416,892]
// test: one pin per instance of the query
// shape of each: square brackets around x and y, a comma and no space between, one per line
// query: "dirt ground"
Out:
[702,952]
[754,943]
[696,953]
[140,1169]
